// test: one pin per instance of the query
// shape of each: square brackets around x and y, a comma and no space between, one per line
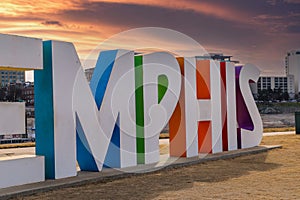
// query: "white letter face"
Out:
[19,53]
[157,113]
[250,124]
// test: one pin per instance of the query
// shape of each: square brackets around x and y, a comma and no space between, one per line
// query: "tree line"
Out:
[12,93]
[272,95]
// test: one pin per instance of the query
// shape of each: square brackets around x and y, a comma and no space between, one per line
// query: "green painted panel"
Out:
[162,86]
[139,105]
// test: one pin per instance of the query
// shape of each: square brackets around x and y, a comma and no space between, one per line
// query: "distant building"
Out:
[285,83]
[292,67]
[28,93]
[89,73]
[8,76]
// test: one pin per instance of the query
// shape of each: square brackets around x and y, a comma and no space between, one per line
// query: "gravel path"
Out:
[278,120]
[271,175]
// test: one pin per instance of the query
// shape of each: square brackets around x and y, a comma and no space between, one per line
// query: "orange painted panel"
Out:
[177,126]
[203,79]
[204,137]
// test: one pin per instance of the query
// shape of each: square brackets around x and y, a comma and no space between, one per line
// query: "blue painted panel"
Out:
[112,158]
[101,75]
[44,113]
[98,85]
[83,150]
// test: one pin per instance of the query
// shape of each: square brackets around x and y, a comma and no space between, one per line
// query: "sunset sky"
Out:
[255,31]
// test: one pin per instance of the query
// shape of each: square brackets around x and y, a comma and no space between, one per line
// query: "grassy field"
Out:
[17,145]
[285,129]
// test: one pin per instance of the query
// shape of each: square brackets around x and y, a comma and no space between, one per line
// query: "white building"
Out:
[9,76]
[285,83]
[292,67]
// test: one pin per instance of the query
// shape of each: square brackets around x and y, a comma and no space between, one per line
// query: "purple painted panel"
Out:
[243,117]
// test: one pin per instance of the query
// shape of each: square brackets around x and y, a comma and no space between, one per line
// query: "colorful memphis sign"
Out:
[115,120]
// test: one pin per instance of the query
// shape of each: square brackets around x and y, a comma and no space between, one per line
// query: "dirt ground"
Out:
[278,120]
[271,175]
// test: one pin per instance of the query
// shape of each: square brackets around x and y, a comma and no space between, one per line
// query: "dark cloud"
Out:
[205,29]
[294,29]
[51,23]
[261,35]
[257,7]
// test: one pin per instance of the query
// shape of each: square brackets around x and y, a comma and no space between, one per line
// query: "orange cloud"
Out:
[20,7]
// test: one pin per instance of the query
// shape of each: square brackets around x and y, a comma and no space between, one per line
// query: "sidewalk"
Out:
[279,133]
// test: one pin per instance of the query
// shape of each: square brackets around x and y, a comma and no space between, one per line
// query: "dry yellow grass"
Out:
[284,129]
[17,145]
[271,175]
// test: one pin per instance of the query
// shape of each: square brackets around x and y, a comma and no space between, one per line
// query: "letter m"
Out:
[92,124]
